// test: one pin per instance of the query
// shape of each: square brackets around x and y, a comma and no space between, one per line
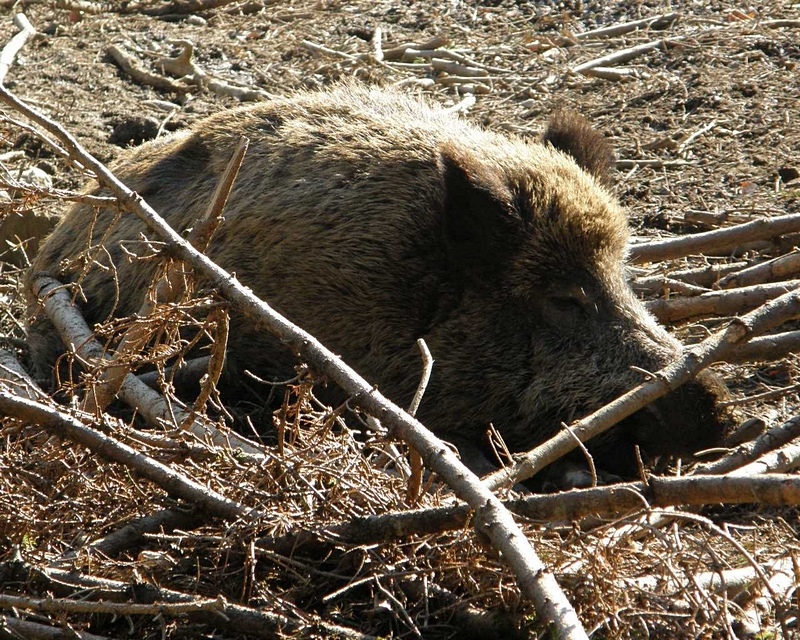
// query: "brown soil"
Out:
[725,74]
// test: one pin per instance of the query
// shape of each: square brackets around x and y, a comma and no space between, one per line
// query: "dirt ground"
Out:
[717,103]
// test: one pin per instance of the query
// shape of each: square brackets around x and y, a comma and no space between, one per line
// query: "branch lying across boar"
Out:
[766,317]
[492,517]
[717,240]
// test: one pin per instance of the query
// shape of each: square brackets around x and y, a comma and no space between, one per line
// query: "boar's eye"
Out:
[565,311]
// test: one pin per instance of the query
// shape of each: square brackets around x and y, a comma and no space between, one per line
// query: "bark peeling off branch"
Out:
[498,524]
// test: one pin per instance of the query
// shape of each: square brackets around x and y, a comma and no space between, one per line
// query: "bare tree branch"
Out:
[71,428]
[717,240]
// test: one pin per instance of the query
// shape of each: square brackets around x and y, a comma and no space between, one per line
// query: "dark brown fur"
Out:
[371,219]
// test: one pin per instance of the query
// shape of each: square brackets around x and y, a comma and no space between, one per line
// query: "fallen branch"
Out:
[18,628]
[132,534]
[775,269]
[66,605]
[14,45]
[618,75]
[84,6]
[781,461]
[648,162]
[765,349]
[411,54]
[186,373]
[176,6]
[654,22]
[76,334]
[718,240]
[722,303]
[397,53]
[131,66]
[678,286]
[491,517]
[458,69]
[668,379]
[780,24]
[715,218]
[701,277]
[248,621]
[14,377]
[768,441]
[70,428]
[624,55]
[608,501]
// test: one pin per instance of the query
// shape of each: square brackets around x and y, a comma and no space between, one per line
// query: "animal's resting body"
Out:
[372,218]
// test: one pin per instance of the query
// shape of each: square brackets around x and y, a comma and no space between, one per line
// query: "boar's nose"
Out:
[688,419]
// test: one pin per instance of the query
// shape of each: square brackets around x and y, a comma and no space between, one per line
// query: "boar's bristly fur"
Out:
[372,218]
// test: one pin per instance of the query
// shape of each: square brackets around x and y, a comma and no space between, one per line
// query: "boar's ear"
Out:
[479,221]
[570,133]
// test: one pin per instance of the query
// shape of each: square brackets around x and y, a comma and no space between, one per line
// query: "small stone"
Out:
[788,174]
[35,177]
[197,21]
[134,131]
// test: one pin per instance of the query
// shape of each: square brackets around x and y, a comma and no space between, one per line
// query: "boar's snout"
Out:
[689,419]
[681,423]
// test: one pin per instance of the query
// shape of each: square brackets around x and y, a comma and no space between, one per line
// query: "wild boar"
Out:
[372,218]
